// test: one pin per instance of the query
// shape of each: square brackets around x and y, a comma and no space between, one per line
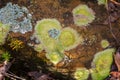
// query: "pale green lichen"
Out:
[69,38]
[101,64]
[42,31]
[104,43]
[4,29]
[81,74]
[38,47]
[55,57]
[100,2]
[83,15]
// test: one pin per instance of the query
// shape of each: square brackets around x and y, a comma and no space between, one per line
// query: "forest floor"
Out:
[28,59]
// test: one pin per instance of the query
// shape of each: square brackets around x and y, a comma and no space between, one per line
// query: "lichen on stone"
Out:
[4,29]
[17,17]
[83,15]
[101,64]
[69,38]
[55,57]
[38,47]
[104,43]
[45,33]
[81,74]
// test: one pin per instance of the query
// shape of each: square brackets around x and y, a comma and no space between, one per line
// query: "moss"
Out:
[42,31]
[55,57]
[83,15]
[4,29]
[69,38]
[81,74]
[6,56]
[101,64]
[104,43]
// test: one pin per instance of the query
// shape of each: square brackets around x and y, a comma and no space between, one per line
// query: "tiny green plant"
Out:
[6,56]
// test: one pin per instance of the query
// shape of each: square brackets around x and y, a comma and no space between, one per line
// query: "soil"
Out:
[27,59]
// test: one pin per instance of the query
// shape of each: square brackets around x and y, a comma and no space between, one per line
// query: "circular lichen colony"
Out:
[83,15]
[55,57]
[81,74]
[69,38]
[45,33]
[104,43]
[101,64]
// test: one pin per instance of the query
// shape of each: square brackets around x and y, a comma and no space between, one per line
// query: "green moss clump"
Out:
[83,15]
[104,43]
[6,56]
[69,38]
[42,31]
[101,64]
[4,29]
[55,57]
[81,74]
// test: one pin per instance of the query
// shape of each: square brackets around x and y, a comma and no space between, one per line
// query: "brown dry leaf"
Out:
[117,59]
[115,75]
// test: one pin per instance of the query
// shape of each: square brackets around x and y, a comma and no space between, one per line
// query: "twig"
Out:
[13,76]
[10,77]
[110,25]
[115,2]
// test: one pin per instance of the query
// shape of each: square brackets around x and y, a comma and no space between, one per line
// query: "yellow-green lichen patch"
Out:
[101,64]
[104,43]
[69,38]
[100,2]
[4,29]
[55,57]
[38,47]
[83,15]
[81,74]
[42,31]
